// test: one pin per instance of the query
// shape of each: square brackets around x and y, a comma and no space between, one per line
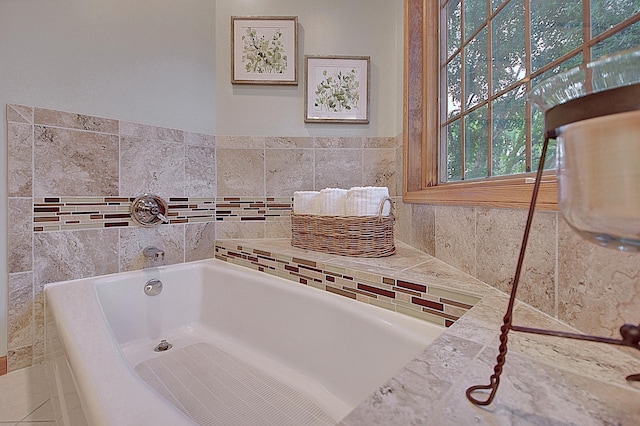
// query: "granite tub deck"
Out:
[545,381]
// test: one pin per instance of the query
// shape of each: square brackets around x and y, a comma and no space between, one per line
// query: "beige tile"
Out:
[598,288]
[338,168]
[24,393]
[19,358]
[145,131]
[423,228]
[498,240]
[20,160]
[378,168]
[240,172]
[71,120]
[380,142]
[278,228]
[19,238]
[60,256]
[199,139]
[20,315]
[133,240]
[289,142]
[288,170]
[151,166]
[240,142]
[237,229]
[456,237]
[531,393]
[402,229]
[200,170]
[19,114]
[73,162]
[199,241]
[339,142]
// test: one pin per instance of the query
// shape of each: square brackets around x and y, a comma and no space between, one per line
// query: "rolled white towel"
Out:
[306,202]
[332,201]
[366,200]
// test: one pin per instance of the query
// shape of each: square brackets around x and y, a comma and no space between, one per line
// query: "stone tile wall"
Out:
[72,178]
[592,288]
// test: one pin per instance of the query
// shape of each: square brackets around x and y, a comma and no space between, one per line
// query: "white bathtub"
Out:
[308,348]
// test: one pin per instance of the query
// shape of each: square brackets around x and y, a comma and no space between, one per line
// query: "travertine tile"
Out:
[339,142]
[70,120]
[200,170]
[60,256]
[38,322]
[19,358]
[199,139]
[20,160]
[338,168]
[19,238]
[20,315]
[380,142]
[531,393]
[402,229]
[598,361]
[288,142]
[410,396]
[145,131]
[456,237]
[598,288]
[19,114]
[151,166]
[237,229]
[436,273]
[199,240]
[278,228]
[133,240]
[423,228]
[73,162]
[498,239]
[378,169]
[240,142]
[482,323]
[288,170]
[240,172]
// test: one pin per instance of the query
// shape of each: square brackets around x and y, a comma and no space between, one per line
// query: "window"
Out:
[480,142]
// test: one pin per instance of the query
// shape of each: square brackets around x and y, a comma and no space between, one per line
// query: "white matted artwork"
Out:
[337,89]
[264,50]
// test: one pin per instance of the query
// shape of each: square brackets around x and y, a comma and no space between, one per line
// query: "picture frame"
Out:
[264,50]
[337,89]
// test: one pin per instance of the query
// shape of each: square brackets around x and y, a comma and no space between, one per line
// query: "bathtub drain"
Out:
[163,346]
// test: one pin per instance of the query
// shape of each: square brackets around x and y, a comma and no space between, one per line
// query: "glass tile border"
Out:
[72,213]
[414,299]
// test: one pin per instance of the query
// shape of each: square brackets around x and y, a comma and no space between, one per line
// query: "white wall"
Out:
[167,63]
[327,27]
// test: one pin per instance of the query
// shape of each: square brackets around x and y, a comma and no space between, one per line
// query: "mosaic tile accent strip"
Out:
[439,306]
[252,209]
[65,213]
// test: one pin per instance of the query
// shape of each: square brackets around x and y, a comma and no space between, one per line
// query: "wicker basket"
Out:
[358,236]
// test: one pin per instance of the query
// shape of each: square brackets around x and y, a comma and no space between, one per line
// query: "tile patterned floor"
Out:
[25,399]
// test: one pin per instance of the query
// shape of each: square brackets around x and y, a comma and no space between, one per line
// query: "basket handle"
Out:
[382,203]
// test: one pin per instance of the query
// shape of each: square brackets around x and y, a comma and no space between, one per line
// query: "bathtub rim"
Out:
[98,331]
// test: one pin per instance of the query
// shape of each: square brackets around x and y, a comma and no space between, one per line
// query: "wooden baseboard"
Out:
[3,365]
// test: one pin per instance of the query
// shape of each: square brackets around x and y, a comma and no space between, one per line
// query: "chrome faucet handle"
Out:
[149,210]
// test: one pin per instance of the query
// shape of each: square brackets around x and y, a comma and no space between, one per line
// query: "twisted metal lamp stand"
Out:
[612,101]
